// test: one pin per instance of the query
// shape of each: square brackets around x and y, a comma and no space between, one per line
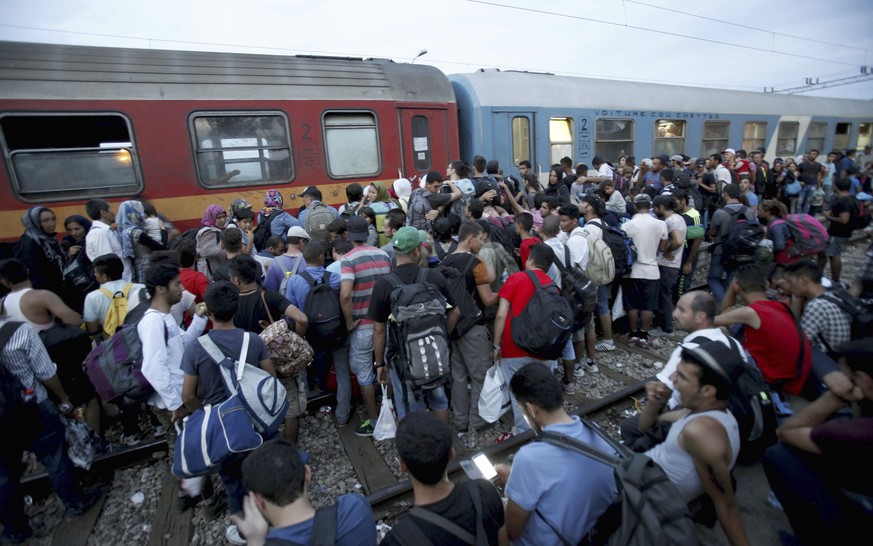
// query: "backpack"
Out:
[459,287]
[860,312]
[741,244]
[327,324]
[601,264]
[506,263]
[458,207]
[418,207]
[115,367]
[649,509]
[624,251]
[190,234]
[441,254]
[580,291]
[18,418]
[287,273]
[503,233]
[407,531]
[317,220]
[324,526]
[861,218]
[484,185]
[418,341]
[262,395]
[262,230]
[545,324]
[351,209]
[117,311]
[808,235]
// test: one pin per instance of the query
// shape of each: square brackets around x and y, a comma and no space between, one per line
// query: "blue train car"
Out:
[512,116]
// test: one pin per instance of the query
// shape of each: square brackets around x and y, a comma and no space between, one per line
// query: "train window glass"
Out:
[234,149]
[754,135]
[614,138]
[421,143]
[560,138]
[669,137]
[865,135]
[715,137]
[351,142]
[70,156]
[841,136]
[815,138]
[520,139]
[786,139]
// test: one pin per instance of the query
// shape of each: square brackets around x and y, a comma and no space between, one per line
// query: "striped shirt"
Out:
[362,266]
[25,357]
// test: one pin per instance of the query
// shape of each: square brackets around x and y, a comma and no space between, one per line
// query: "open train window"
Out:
[421,143]
[786,139]
[815,137]
[841,136]
[560,138]
[865,135]
[754,135]
[520,139]
[54,156]
[669,137]
[351,143]
[614,138]
[716,135]
[241,148]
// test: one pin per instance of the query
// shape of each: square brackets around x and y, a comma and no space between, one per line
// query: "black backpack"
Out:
[323,529]
[861,313]
[741,244]
[327,324]
[502,231]
[351,209]
[579,290]
[624,251]
[190,234]
[455,269]
[262,230]
[545,324]
[18,418]
[441,254]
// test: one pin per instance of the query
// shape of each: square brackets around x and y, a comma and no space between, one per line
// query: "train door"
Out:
[424,141]
[514,135]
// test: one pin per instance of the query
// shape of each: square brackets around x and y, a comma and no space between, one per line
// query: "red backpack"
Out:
[808,236]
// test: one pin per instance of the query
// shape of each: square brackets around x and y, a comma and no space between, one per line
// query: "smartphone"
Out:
[484,466]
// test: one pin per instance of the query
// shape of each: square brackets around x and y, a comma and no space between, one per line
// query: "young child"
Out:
[372,234]
[153,226]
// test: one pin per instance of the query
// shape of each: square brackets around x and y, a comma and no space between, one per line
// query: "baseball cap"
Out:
[312,191]
[298,231]
[729,151]
[677,157]
[407,239]
[716,356]
[643,198]
[358,228]
[701,162]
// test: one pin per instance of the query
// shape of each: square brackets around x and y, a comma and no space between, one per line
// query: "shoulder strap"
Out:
[107,293]
[325,279]
[126,290]
[533,278]
[445,524]
[421,277]
[7,331]
[554,529]
[324,526]
[211,348]
[481,538]
[801,356]
[562,440]
[308,278]
[266,308]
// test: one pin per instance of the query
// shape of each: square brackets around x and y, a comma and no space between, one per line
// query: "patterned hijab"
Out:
[212,212]
[272,201]
[129,220]
[33,229]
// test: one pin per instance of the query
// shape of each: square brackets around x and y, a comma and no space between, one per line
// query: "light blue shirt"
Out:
[298,288]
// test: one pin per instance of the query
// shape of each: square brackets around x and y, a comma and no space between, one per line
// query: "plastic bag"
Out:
[80,438]
[618,306]
[386,425]
[494,399]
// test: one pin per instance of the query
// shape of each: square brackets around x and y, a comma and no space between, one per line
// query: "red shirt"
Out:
[524,249]
[775,346]
[194,282]
[518,290]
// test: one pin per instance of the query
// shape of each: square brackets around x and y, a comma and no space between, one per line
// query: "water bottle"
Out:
[29,396]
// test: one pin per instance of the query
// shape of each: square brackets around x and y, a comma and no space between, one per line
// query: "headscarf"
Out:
[129,219]
[212,212]
[402,188]
[382,195]
[68,240]
[48,243]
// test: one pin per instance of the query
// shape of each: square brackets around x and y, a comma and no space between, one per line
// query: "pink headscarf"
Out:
[212,212]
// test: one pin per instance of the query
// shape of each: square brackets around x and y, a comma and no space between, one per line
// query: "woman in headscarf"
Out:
[211,255]
[136,245]
[274,214]
[39,250]
[402,189]
[79,278]
[378,198]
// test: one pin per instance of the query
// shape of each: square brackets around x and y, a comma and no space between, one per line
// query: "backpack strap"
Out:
[324,526]
[567,442]
[450,526]
[7,331]
[308,278]
[533,278]
[325,279]
[801,336]
[421,276]
[554,529]
[266,308]
[218,356]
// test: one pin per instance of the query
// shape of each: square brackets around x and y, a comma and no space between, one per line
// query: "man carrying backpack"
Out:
[823,319]
[593,209]
[273,220]
[414,347]
[316,216]
[720,275]
[106,308]
[289,263]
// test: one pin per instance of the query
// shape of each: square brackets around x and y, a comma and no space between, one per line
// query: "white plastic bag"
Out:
[494,400]
[618,306]
[386,425]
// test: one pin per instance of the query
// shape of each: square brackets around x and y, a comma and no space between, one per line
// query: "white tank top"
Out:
[12,305]
[677,463]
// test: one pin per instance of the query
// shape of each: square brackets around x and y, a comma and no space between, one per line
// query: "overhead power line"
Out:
[810,85]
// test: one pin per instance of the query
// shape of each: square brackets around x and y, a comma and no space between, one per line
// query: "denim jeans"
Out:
[512,365]
[433,399]
[717,271]
[343,383]
[804,197]
[669,278]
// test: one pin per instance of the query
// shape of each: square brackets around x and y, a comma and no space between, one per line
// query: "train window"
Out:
[70,156]
[716,135]
[351,143]
[669,137]
[815,137]
[241,149]
[520,139]
[614,138]
[841,136]
[560,138]
[754,135]
[421,143]
[865,135]
[786,139]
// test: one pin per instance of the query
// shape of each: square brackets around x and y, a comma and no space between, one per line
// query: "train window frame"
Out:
[669,145]
[124,151]
[598,141]
[714,145]
[518,140]
[752,141]
[865,138]
[841,138]
[814,140]
[216,183]
[784,137]
[325,129]
[421,148]
[565,146]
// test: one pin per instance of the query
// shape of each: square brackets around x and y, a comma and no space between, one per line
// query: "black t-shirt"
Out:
[809,171]
[839,206]
[380,302]
[708,181]
[251,309]
[458,508]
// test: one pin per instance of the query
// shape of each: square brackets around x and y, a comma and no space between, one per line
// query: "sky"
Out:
[744,44]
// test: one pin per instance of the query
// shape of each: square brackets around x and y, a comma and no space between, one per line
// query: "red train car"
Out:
[188,129]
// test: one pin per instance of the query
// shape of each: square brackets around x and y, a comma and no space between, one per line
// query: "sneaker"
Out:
[159,431]
[366,428]
[569,388]
[659,332]
[89,499]
[579,371]
[130,439]
[643,342]
[470,439]
[503,436]
[234,536]
[633,337]
[591,366]
[605,345]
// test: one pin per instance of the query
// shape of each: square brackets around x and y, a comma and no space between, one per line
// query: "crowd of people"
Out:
[418,288]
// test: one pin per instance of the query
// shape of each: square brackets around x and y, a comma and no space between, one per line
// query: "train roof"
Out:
[49,71]
[494,88]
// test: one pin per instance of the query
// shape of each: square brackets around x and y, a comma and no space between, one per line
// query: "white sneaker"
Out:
[605,345]
[579,371]
[234,536]
[591,366]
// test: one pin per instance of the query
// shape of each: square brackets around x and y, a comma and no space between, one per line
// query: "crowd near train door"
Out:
[424,141]
[514,137]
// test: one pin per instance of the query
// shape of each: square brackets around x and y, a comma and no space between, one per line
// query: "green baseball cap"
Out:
[408,239]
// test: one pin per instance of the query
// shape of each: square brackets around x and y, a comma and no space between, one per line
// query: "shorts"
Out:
[640,294]
[361,354]
[836,246]
[295,393]
[568,353]
[603,300]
